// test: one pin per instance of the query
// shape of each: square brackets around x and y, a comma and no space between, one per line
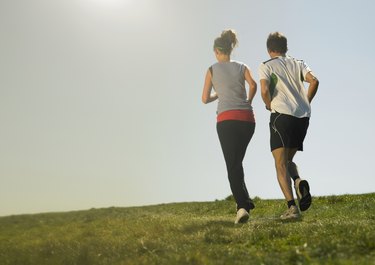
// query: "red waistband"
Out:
[238,115]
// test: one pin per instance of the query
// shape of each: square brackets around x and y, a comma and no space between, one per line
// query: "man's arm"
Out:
[313,85]
[265,91]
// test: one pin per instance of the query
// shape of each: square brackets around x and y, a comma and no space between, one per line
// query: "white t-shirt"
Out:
[288,93]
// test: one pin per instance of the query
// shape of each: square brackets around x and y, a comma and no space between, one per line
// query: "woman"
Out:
[235,117]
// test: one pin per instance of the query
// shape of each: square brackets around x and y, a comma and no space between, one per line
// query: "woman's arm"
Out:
[207,97]
[252,85]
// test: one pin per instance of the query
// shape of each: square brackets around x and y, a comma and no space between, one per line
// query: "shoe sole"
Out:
[304,195]
[243,219]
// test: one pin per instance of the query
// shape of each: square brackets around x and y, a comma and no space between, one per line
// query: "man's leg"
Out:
[281,163]
[292,167]
[301,186]
[281,158]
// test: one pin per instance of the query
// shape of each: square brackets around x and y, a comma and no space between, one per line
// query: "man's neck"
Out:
[276,54]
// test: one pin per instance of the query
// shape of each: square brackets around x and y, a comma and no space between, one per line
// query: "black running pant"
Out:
[234,138]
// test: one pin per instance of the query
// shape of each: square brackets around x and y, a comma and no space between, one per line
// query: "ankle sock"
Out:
[291,203]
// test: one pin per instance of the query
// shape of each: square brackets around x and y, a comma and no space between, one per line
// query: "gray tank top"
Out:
[228,80]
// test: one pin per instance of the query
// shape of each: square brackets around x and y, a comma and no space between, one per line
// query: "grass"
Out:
[335,230]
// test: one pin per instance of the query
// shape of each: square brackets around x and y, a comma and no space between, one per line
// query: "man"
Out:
[283,92]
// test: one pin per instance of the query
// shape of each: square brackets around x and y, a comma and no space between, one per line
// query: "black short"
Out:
[287,131]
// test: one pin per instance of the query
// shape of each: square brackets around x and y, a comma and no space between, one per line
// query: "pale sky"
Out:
[100,100]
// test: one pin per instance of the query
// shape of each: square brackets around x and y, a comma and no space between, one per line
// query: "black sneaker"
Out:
[303,195]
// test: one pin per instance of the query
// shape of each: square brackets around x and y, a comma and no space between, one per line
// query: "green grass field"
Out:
[335,230]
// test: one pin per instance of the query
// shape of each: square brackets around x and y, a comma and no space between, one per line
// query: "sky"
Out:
[100,100]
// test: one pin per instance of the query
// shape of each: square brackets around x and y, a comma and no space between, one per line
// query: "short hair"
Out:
[277,42]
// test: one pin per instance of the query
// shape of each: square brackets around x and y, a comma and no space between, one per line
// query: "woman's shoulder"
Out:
[230,64]
[239,63]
